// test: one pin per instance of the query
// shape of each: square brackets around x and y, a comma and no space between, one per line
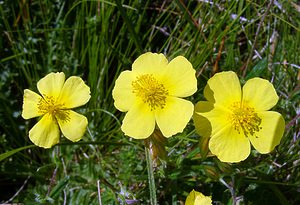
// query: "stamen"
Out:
[244,118]
[150,90]
[49,105]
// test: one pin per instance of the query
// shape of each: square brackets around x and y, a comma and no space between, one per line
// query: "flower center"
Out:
[150,90]
[245,119]
[50,106]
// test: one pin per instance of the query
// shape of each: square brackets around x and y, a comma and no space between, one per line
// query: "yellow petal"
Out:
[149,63]
[179,78]
[229,146]
[223,89]
[45,133]
[51,84]
[202,123]
[30,104]
[122,92]
[209,119]
[139,122]
[74,93]
[260,94]
[72,125]
[272,129]
[190,199]
[174,117]
[197,198]
[203,201]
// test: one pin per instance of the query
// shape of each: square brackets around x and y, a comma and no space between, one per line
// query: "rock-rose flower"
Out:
[53,105]
[151,94]
[233,117]
[197,198]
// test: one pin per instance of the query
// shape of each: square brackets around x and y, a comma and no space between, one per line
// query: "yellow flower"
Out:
[57,98]
[151,95]
[233,117]
[197,198]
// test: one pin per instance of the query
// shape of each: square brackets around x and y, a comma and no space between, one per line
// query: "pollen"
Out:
[244,119]
[49,105]
[150,90]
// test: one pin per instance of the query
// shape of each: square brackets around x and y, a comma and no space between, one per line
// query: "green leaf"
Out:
[59,187]
[12,152]
[258,69]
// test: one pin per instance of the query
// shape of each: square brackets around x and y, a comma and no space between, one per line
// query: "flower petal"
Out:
[139,122]
[197,198]
[174,117]
[209,119]
[272,129]
[74,126]
[30,104]
[74,93]
[190,199]
[150,63]
[51,84]
[223,89]
[260,94]
[229,146]
[205,200]
[122,92]
[45,133]
[180,79]
[202,124]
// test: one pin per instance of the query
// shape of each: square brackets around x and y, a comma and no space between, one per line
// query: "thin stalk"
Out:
[151,180]
[99,192]
[231,189]
[131,30]
[256,36]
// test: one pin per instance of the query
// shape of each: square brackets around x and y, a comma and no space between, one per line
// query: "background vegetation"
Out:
[97,39]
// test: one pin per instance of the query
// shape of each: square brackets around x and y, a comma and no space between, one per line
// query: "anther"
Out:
[150,91]
[49,105]
[245,119]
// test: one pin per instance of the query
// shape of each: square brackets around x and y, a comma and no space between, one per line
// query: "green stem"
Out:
[130,26]
[150,177]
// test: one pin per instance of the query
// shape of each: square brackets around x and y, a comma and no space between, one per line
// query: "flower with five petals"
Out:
[54,107]
[151,94]
[233,117]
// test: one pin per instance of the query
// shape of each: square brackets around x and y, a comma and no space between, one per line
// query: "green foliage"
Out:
[97,40]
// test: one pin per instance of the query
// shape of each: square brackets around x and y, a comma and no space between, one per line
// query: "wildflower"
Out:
[233,117]
[197,198]
[53,105]
[151,95]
